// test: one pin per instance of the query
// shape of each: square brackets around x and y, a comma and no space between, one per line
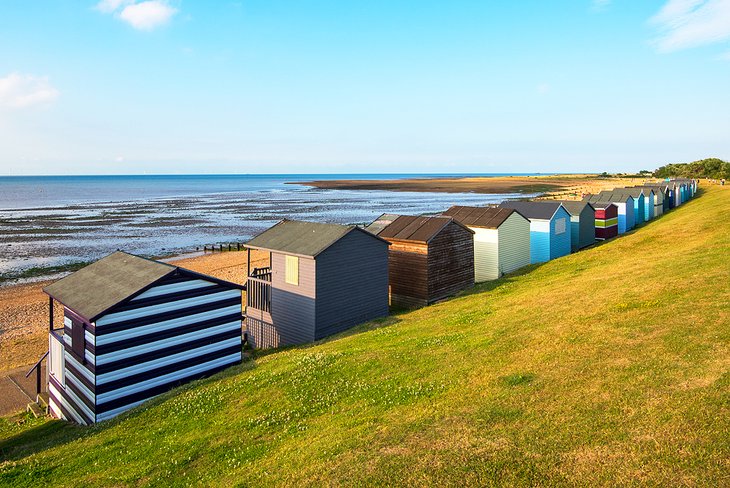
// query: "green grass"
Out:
[609,366]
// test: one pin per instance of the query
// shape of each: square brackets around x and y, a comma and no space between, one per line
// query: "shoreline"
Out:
[568,186]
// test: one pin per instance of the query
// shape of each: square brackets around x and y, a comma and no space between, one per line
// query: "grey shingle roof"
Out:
[301,238]
[574,207]
[633,192]
[99,286]
[602,205]
[543,210]
[484,217]
[608,196]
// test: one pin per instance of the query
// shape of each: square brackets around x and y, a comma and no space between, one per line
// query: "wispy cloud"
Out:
[690,23]
[19,91]
[145,15]
[601,4]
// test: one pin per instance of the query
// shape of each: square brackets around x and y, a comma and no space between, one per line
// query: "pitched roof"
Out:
[301,238]
[484,217]
[658,191]
[602,205]
[660,188]
[633,192]
[574,207]
[542,210]
[608,196]
[381,223]
[412,228]
[99,286]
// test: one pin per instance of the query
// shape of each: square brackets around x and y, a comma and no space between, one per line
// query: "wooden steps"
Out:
[39,408]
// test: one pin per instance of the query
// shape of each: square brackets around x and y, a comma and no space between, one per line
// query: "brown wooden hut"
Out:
[430,258]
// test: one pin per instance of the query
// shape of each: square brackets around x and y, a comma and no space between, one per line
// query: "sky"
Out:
[326,86]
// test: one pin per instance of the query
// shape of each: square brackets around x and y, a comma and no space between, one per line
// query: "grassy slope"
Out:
[608,366]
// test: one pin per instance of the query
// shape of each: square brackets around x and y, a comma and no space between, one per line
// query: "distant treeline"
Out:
[705,168]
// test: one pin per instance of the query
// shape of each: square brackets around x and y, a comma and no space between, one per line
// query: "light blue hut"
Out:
[549,228]
[640,202]
[650,202]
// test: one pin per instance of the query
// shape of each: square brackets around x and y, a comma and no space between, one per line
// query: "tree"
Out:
[704,168]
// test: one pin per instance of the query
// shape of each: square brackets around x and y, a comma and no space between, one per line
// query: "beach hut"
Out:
[649,200]
[639,202]
[661,198]
[624,204]
[663,194]
[682,194]
[687,188]
[676,190]
[430,258]
[606,220]
[549,228]
[668,196]
[501,239]
[134,328]
[582,223]
[321,279]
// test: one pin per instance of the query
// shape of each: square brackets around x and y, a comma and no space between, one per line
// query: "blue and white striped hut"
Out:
[134,328]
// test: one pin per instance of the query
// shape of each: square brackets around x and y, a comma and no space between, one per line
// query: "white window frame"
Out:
[563,226]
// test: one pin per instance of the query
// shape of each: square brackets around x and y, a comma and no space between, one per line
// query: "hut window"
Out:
[559,226]
[292,270]
[78,340]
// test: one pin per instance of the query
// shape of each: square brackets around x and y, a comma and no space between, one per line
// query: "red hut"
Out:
[606,220]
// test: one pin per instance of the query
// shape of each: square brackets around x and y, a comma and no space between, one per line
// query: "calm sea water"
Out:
[54,220]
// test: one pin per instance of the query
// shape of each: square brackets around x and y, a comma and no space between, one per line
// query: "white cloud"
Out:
[691,23]
[19,91]
[601,4]
[145,15]
[543,88]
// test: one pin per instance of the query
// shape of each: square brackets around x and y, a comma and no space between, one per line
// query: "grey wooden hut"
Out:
[430,258]
[321,279]
[582,223]
[134,328]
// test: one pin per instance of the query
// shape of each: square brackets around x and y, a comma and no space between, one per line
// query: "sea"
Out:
[53,221]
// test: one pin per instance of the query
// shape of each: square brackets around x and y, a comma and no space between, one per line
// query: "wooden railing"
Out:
[258,289]
[37,368]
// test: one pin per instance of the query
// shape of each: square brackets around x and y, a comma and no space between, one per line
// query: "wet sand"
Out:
[24,308]
[550,186]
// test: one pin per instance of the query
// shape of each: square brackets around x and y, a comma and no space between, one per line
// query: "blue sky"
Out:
[274,86]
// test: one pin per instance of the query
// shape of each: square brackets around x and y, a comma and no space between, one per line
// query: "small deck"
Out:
[258,290]
[259,327]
